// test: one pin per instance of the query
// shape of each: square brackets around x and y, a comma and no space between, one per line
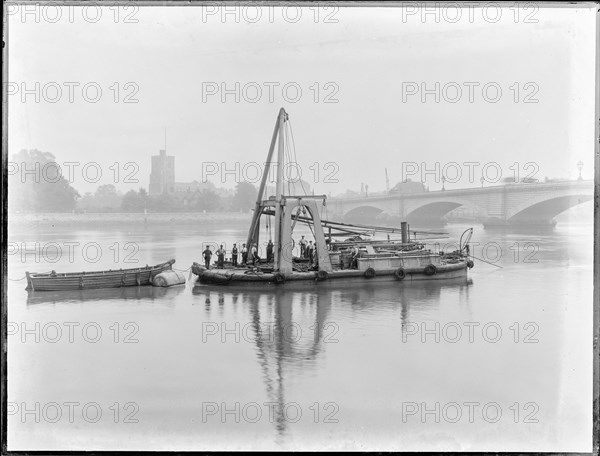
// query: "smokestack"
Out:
[404,228]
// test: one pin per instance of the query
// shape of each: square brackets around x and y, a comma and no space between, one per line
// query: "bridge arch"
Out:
[361,213]
[547,209]
[436,209]
[494,205]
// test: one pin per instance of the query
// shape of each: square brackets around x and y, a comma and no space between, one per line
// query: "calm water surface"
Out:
[362,367]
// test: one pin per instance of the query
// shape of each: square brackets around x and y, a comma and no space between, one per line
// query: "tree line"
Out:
[37,193]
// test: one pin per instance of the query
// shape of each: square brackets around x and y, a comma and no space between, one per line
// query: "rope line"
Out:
[492,264]
[293,143]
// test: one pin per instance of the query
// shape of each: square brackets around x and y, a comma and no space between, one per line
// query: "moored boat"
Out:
[358,257]
[112,278]
[256,276]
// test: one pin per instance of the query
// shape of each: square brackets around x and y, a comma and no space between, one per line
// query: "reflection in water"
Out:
[120,294]
[368,373]
[282,346]
[279,328]
[281,318]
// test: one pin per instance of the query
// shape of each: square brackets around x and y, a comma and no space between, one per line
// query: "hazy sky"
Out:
[371,58]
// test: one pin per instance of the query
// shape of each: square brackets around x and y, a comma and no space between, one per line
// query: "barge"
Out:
[358,257]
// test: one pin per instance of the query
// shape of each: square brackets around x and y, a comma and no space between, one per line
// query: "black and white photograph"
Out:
[304,226]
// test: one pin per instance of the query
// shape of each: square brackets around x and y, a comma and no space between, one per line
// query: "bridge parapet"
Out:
[503,204]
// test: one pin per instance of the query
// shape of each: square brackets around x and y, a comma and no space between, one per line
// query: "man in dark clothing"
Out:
[207,254]
[354,258]
[244,255]
[270,251]
[220,257]
[234,255]
[309,249]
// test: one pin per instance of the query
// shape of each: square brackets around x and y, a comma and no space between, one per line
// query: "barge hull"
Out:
[232,277]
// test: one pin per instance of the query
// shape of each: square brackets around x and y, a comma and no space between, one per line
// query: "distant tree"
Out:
[207,200]
[244,197]
[129,203]
[38,184]
[135,201]
[106,190]
[226,203]
[86,202]
[164,203]
[106,198]
[144,197]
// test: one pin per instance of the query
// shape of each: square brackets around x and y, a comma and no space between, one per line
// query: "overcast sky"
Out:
[371,58]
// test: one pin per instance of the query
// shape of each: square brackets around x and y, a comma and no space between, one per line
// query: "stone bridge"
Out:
[510,204]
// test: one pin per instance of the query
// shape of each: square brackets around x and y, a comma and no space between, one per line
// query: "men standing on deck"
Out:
[244,254]
[302,247]
[207,254]
[354,258]
[234,255]
[308,251]
[255,257]
[220,257]
[270,251]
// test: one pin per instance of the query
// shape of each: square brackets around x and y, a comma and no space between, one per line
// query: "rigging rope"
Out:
[288,156]
[293,144]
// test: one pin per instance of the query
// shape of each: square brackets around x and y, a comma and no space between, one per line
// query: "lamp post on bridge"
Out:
[579,167]
[482,180]
[443,183]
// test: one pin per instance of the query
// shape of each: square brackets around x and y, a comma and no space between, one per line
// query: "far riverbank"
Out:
[57,220]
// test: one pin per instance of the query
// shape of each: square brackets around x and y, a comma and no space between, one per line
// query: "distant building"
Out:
[408,186]
[162,175]
[189,192]
[162,180]
[192,187]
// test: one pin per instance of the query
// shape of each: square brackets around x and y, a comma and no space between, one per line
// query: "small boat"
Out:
[116,278]
[361,256]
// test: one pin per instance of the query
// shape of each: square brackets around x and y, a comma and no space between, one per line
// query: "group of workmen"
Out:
[235,252]
[308,250]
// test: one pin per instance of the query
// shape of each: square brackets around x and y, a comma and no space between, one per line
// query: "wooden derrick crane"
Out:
[283,207]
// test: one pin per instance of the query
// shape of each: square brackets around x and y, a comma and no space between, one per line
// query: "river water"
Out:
[501,361]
